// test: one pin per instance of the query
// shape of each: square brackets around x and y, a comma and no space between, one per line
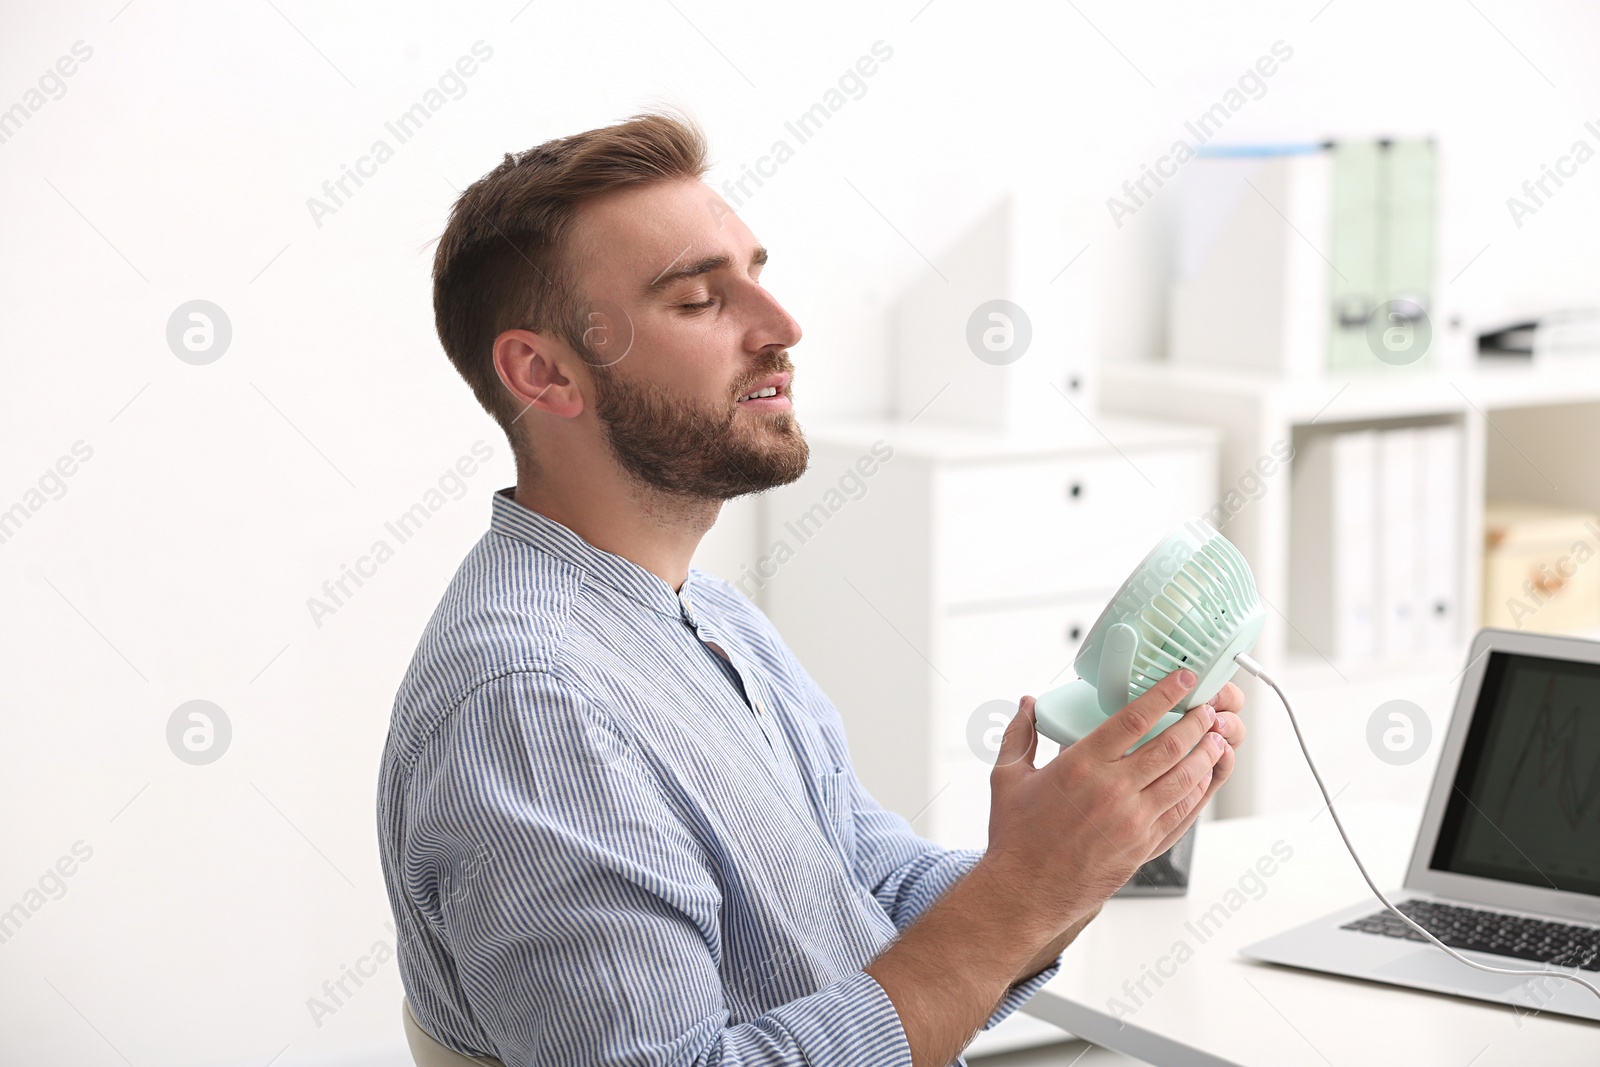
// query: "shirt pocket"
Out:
[837,809]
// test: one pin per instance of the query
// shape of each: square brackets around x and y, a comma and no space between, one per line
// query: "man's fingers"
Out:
[1224,767]
[1177,817]
[1021,739]
[1199,764]
[1122,731]
[1230,726]
[1162,753]
[1229,698]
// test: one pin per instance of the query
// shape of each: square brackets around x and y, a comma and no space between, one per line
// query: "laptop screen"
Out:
[1526,802]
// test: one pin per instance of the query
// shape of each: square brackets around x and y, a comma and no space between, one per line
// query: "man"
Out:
[618,820]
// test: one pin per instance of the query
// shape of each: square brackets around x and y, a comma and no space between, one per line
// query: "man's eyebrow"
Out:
[676,273]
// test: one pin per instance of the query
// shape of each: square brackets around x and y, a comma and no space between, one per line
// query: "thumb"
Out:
[1021,739]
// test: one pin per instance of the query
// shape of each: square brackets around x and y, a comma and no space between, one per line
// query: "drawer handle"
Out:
[1075,490]
[1074,632]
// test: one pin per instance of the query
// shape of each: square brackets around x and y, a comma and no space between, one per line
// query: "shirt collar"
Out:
[512,519]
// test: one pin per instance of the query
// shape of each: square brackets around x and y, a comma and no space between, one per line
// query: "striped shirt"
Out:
[604,843]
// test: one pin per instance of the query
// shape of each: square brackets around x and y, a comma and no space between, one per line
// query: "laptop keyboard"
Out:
[1490,931]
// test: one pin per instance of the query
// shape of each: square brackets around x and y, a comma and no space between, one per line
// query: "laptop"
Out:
[1506,866]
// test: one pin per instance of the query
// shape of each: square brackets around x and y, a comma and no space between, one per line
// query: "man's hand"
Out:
[1066,835]
[1228,702]
[1062,838]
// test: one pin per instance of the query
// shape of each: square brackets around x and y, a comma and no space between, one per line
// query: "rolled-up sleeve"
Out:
[588,932]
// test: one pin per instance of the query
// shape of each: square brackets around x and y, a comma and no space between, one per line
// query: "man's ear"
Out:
[540,371]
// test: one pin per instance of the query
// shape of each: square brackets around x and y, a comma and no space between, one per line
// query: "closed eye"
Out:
[700,306]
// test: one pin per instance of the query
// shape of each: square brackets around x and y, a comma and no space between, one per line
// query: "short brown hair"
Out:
[501,263]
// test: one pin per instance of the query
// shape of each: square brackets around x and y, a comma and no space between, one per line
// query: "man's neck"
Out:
[658,531]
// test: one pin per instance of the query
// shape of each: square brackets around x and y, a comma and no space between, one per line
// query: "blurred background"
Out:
[1322,272]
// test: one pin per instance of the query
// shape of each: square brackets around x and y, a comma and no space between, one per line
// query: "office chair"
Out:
[427,1052]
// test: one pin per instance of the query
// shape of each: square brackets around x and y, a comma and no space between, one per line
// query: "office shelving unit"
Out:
[1528,432]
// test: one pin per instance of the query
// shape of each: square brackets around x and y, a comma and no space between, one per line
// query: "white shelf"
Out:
[1301,672]
[1384,394]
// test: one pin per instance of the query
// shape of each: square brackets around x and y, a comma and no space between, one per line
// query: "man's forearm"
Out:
[1048,954]
[948,970]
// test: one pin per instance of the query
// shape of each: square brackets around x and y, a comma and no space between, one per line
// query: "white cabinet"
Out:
[964,568]
[1026,527]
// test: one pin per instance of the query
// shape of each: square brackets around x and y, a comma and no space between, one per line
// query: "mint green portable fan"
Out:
[1191,603]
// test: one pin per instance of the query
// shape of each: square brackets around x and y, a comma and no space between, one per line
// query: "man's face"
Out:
[679,333]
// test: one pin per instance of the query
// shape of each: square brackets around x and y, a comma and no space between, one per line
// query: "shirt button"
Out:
[760,708]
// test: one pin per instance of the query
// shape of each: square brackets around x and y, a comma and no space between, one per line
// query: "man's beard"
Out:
[677,446]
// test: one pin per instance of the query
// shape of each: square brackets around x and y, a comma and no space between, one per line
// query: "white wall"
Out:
[218,498]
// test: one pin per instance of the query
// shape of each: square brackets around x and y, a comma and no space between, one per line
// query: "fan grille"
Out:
[1194,616]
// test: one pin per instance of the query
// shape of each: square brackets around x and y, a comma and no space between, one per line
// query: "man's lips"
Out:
[775,387]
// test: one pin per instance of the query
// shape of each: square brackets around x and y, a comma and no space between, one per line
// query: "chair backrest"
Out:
[429,1053]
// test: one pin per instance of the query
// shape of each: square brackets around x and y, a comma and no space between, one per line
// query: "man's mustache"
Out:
[777,364]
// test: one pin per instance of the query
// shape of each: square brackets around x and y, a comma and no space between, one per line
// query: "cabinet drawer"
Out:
[1031,528]
[1000,655]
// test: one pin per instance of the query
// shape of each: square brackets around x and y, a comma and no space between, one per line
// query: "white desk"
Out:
[1217,1009]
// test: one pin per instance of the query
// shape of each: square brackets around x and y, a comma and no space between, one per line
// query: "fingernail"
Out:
[1218,742]
[1186,678]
